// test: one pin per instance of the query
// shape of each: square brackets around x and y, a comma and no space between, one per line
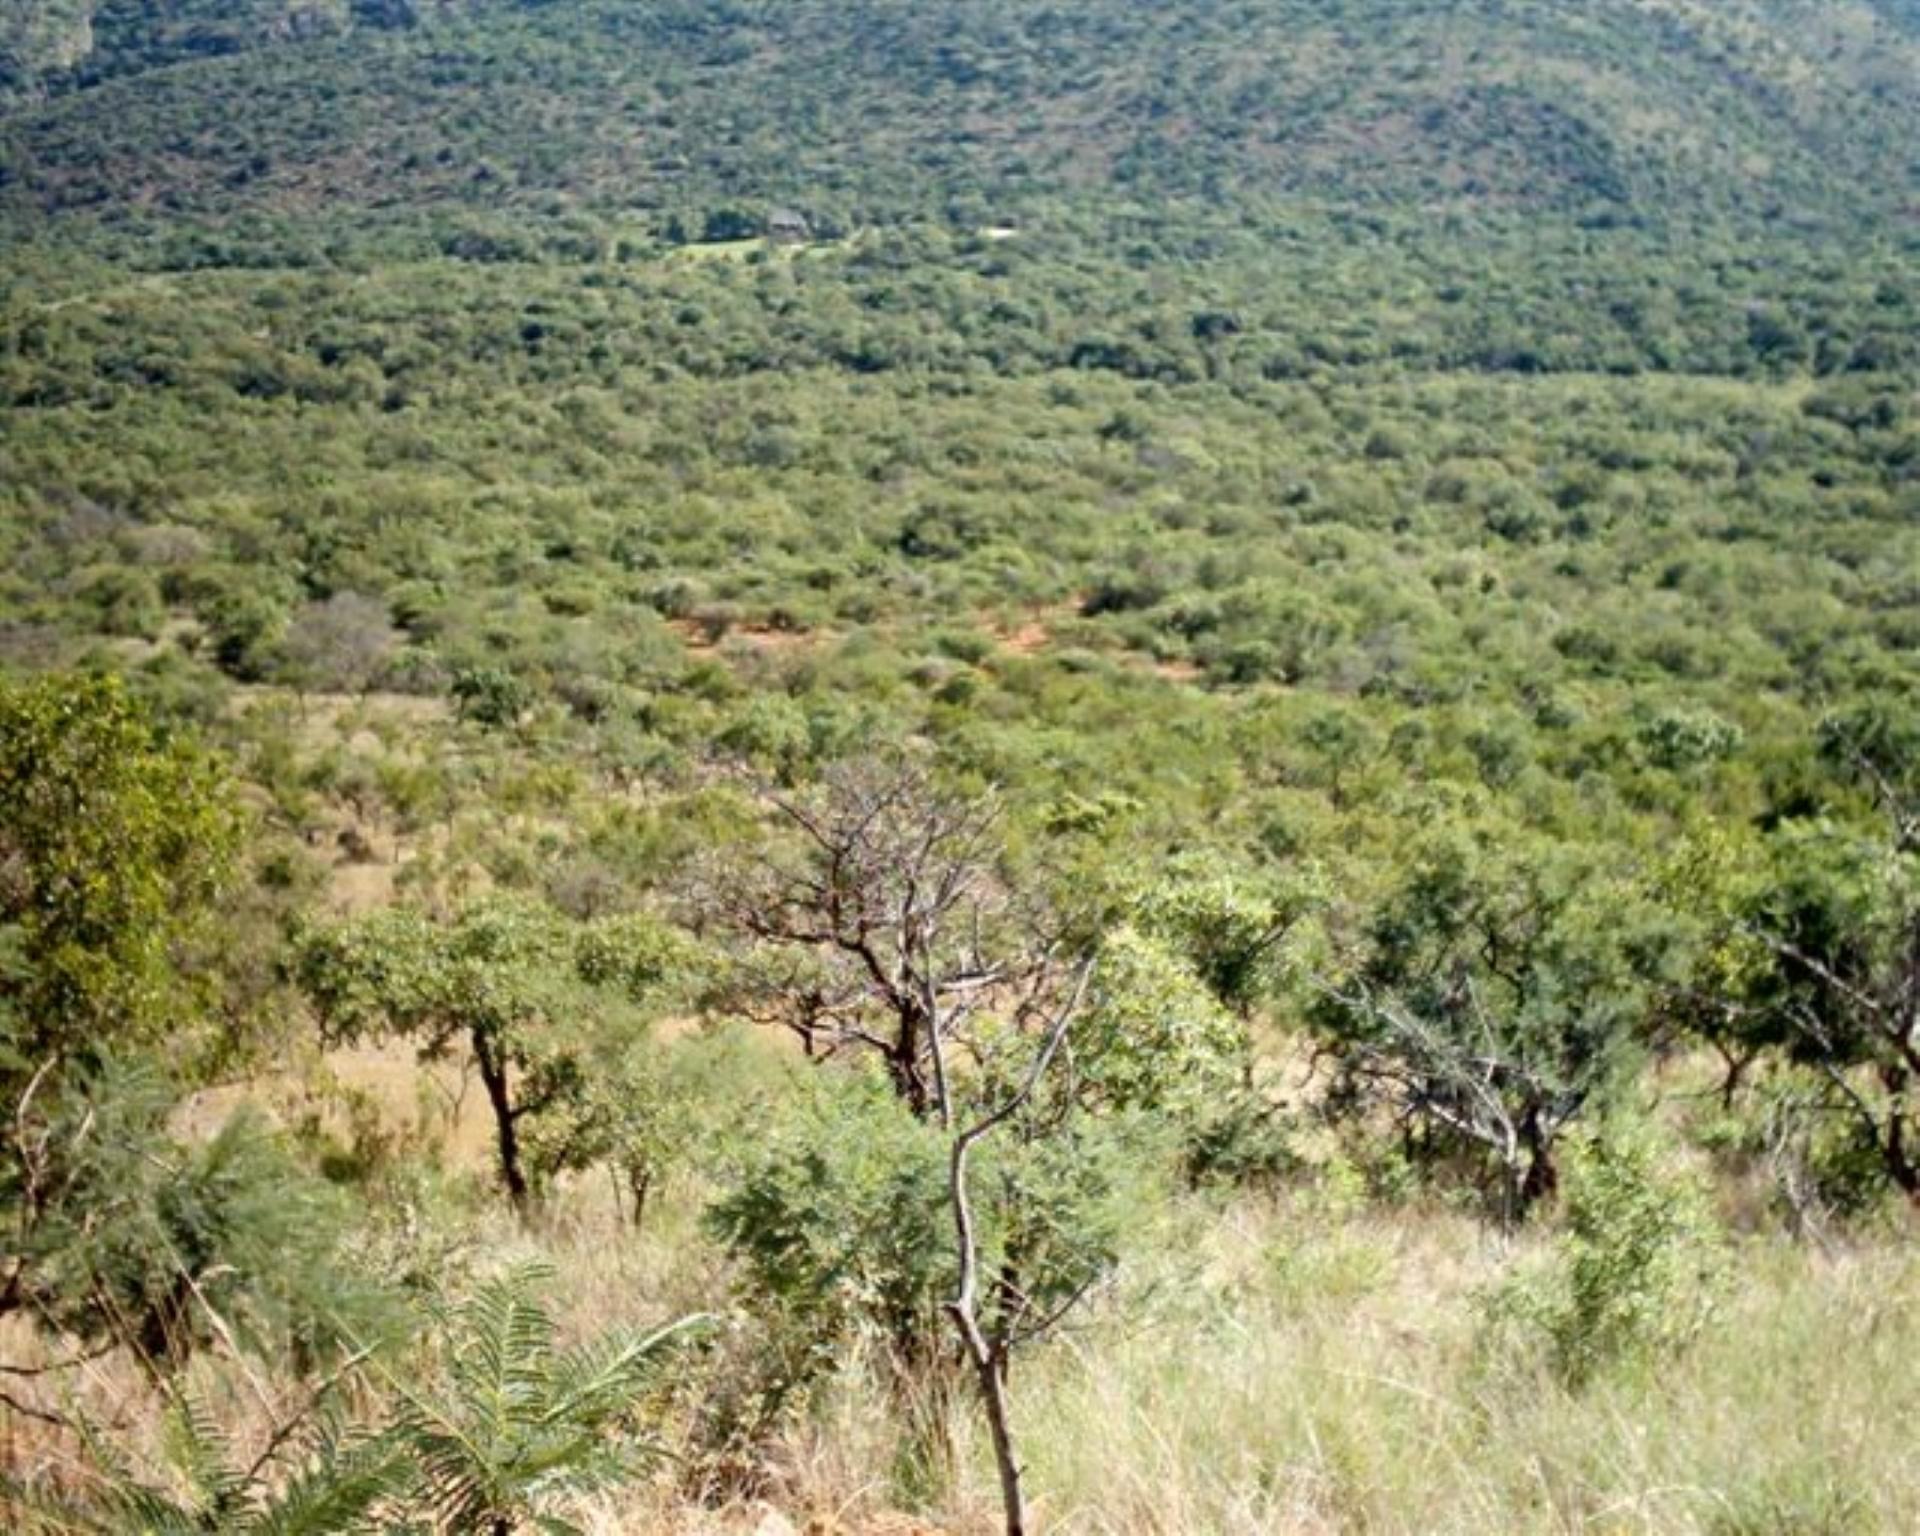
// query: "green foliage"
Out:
[1633,1275]
[1497,993]
[115,841]
[1523,589]
[1152,1035]
[1225,102]
[319,1478]
[1675,739]
[838,1213]
[528,994]
[497,1429]
[1244,1138]
[648,1111]
[1227,921]
[491,695]
[519,1426]
[1812,956]
[126,1234]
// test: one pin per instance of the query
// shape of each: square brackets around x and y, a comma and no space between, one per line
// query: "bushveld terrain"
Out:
[779,766]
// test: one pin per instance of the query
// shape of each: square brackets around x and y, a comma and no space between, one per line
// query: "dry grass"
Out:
[1340,1383]
[1266,1366]
[1280,1369]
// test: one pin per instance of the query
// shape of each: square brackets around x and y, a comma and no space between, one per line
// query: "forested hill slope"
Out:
[864,112]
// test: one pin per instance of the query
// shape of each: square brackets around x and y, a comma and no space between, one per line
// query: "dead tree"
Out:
[882,924]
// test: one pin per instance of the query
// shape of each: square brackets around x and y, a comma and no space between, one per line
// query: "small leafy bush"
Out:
[1634,1270]
[838,1216]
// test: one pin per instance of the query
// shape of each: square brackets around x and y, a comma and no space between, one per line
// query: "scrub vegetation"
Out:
[964,767]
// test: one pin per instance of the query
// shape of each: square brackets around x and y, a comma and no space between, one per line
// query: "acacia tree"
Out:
[1840,924]
[1229,924]
[888,927]
[525,992]
[1809,947]
[1726,995]
[1492,999]
[880,923]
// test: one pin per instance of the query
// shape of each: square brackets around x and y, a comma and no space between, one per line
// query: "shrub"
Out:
[490,696]
[1633,1272]
[838,1215]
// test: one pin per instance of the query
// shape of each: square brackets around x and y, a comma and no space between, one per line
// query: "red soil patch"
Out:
[759,637]
[1029,638]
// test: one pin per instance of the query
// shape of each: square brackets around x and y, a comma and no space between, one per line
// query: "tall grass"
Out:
[1294,1366]
[1278,1368]
[1366,1397]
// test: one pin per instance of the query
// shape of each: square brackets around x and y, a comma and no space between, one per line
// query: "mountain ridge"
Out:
[873,112]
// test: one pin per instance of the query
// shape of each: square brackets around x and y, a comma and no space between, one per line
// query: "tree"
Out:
[1710,883]
[881,923]
[116,841]
[1840,923]
[643,1110]
[1229,924]
[524,991]
[1809,947]
[1494,996]
[989,1347]
[995,1037]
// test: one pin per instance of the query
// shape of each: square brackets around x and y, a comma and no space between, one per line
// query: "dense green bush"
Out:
[1632,1276]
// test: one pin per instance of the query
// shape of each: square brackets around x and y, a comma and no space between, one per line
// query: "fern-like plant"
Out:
[518,1426]
[511,1429]
[314,1478]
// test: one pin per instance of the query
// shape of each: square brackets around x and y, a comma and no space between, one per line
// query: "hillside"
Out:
[876,112]
[763,761]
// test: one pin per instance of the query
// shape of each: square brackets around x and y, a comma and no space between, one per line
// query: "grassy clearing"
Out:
[1280,1368]
[1293,1365]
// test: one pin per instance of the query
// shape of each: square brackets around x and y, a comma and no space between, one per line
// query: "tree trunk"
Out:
[1736,1063]
[989,1369]
[989,1362]
[1542,1178]
[640,1185]
[993,1391]
[903,1066]
[493,1077]
[1902,1167]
